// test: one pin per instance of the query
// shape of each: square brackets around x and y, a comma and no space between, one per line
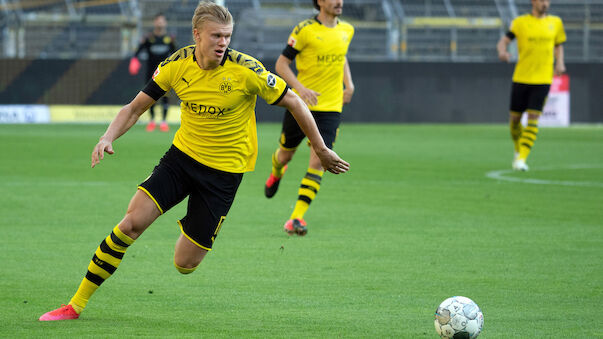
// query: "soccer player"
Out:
[319,47]
[539,42]
[215,144]
[158,45]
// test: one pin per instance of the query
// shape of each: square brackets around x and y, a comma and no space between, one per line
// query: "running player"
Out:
[158,45]
[539,42]
[215,144]
[319,47]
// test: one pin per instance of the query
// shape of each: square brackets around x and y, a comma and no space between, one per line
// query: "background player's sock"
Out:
[516,130]
[277,167]
[310,185]
[105,261]
[528,137]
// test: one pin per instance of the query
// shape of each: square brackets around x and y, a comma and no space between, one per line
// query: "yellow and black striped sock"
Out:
[277,167]
[528,137]
[310,185]
[104,262]
[516,130]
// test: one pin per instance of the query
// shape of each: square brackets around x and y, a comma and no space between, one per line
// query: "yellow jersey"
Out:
[218,127]
[536,41]
[320,54]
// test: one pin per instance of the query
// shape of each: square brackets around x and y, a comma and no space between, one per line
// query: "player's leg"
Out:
[516,129]
[164,127]
[163,189]
[291,137]
[328,126]
[187,255]
[538,95]
[519,103]
[141,212]
[210,200]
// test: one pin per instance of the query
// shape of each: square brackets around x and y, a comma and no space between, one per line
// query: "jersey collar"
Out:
[316,18]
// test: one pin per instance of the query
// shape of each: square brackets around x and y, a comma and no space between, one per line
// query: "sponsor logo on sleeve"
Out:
[156,73]
[271,80]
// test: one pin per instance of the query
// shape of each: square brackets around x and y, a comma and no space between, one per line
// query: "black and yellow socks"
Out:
[528,137]
[310,185]
[105,261]
[516,129]
[277,167]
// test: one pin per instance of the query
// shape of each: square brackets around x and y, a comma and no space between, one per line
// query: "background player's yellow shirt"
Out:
[218,106]
[322,51]
[536,41]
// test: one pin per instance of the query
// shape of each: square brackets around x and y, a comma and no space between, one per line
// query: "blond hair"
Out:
[209,11]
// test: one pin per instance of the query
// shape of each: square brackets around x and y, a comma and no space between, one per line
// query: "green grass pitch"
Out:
[416,220]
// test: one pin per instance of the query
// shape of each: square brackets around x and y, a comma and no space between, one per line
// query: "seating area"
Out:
[439,30]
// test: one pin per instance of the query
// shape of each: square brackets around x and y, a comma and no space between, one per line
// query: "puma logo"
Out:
[187,83]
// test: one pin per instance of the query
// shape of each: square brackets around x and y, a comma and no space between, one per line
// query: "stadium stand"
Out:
[436,30]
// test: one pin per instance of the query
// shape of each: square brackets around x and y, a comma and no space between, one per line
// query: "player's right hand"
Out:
[98,153]
[332,162]
[309,96]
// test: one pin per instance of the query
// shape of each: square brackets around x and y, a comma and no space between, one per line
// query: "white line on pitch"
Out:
[500,175]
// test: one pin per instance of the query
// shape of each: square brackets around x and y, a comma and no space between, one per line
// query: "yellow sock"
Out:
[528,137]
[310,185]
[277,167]
[516,130]
[105,261]
[184,270]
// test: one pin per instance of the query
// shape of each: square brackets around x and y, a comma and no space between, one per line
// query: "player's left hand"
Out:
[98,153]
[559,68]
[347,95]
[332,162]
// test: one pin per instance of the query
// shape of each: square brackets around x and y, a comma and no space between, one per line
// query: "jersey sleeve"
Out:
[267,85]
[513,29]
[560,37]
[296,38]
[162,75]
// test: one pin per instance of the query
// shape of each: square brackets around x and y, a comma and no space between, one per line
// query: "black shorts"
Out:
[292,135]
[210,194]
[528,97]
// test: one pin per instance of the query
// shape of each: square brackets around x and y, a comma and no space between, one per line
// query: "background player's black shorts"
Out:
[292,135]
[528,97]
[210,194]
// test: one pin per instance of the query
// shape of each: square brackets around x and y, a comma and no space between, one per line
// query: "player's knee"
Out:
[185,268]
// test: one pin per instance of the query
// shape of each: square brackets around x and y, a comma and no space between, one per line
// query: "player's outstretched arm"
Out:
[330,160]
[126,118]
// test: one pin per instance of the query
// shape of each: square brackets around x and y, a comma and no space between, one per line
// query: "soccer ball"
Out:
[458,317]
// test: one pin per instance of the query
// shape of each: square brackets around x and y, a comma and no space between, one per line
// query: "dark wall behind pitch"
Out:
[453,92]
[385,91]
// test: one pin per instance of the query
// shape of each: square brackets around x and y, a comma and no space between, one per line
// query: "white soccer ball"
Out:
[458,317]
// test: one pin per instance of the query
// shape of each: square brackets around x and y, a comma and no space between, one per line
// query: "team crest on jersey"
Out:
[271,80]
[156,73]
[225,86]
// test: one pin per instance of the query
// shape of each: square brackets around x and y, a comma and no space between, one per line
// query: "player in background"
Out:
[324,81]
[158,45]
[539,43]
[215,144]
